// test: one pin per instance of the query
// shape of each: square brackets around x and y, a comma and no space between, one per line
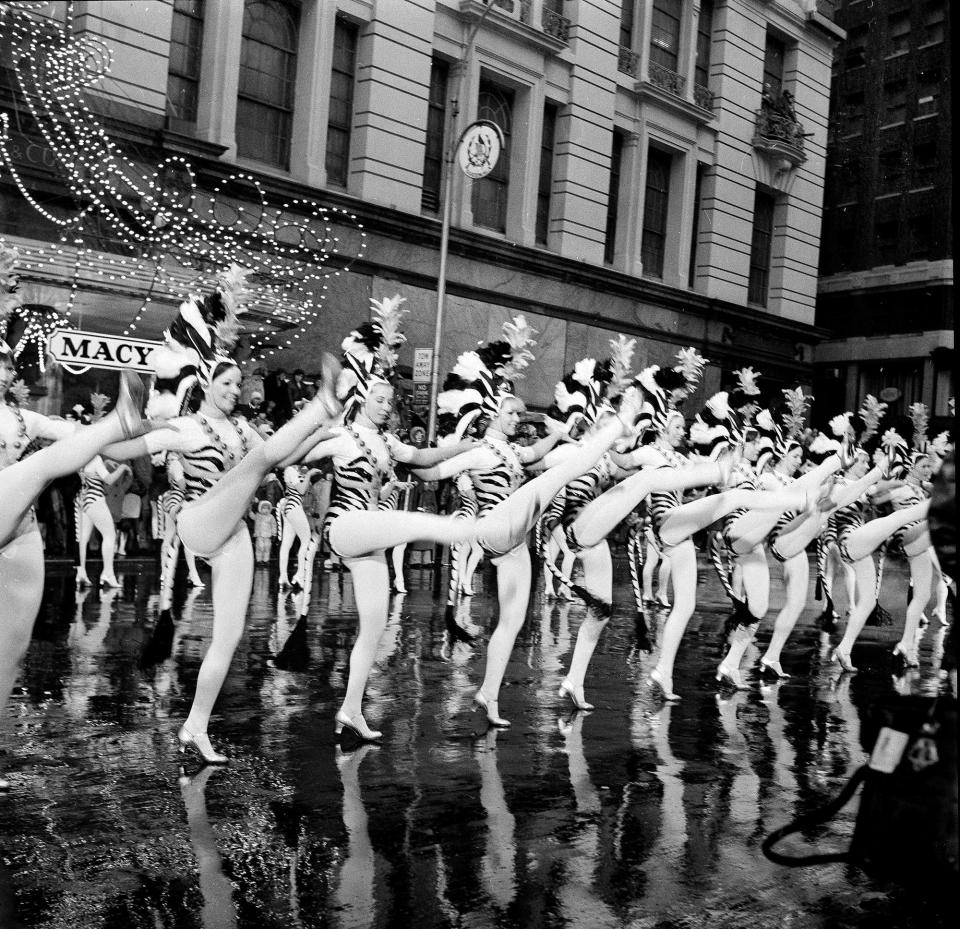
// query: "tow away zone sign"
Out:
[74,349]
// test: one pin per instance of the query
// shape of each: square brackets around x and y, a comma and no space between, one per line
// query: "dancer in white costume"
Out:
[294,525]
[363,455]
[22,480]
[915,465]
[224,461]
[580,398]
[856,537]
[509,509]
[94,513]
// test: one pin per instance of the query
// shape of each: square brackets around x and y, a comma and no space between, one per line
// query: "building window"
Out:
[433,150]
[656,202]
[183,78]
[695,231]
[489,199]
[268,69]
[773,58]
[890,173]
[898,33]
[929,82]
[613,198]
[760,248]
[895,103]
[885,240]
[853,114]
[921,237]
[546,172]
[665,33]
[340,120]
[933,23]
[855,48]
[626,23]
[924,164]
[704,36]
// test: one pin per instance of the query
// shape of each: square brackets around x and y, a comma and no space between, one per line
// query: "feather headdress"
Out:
[483,379]
[370,353]
[871,412]
[621,365]
[199,339]
[794,417]
[780,431]
[744,400]
[582,392]
[665,388]
[920,417]
[711,431]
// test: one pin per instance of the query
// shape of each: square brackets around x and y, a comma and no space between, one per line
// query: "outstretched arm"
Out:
[531,453]
[477,459]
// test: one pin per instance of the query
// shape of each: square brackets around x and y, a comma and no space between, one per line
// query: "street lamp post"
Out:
[445,226]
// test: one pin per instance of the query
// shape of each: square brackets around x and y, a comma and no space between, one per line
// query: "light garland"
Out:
[164,226]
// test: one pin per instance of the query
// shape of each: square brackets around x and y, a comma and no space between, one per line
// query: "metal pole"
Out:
[445,225]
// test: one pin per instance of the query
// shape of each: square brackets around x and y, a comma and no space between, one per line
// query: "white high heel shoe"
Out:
[491,708]
[575,694]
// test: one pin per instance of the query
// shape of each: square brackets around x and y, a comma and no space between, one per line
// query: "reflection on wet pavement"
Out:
[634,814]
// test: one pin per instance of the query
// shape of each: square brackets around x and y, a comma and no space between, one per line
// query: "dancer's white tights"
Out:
[371,593]
[796,579]
[21,580]
[513,593]
[598,580]
[97,516]
[231,581]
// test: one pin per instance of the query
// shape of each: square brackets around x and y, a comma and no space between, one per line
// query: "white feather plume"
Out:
[747,381]
[584,370]
[691,364]
[839,424]
[621,362]
[470,366]
[719,405]
[520,337]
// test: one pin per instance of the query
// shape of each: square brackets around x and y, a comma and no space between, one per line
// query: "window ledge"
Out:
[891,125]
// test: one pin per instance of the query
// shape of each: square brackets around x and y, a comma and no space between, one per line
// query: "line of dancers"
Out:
[611,455]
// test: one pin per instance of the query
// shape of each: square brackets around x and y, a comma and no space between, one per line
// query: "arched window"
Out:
[489,198]
[268,70]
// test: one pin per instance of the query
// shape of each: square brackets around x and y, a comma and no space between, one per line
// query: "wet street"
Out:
[636,814]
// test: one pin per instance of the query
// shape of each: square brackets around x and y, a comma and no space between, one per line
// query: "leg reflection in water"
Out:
[219,910]
[355,890]
[499,857]
[579,901]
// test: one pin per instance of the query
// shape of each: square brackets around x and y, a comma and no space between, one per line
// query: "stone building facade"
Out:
[663,172]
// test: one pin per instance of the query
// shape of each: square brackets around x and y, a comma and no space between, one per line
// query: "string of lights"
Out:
[156,224]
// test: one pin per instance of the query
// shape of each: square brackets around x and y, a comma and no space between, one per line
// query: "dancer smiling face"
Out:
[223,393]
[790,463]
[508,419]
[379,405]
[675,431]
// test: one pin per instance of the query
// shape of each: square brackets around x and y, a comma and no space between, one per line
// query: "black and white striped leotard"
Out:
[93,479]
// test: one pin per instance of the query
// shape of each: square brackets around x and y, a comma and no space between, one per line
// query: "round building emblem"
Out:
[479,149]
